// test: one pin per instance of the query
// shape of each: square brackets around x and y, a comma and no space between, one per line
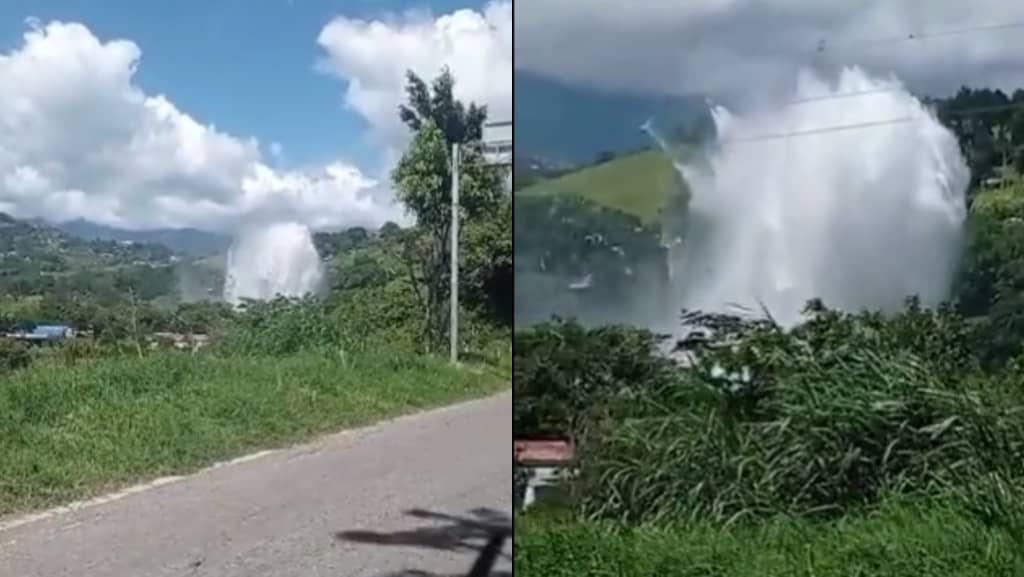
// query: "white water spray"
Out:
[276,260]
[861,217]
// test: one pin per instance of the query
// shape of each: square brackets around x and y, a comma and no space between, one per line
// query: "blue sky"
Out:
[146,114]
[246,66]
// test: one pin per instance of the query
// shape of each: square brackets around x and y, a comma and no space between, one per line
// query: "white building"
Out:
[549,463]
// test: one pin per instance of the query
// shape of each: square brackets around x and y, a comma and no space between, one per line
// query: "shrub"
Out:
[379,317]
[816,421]
[280,327]
[14,355]
[564,374]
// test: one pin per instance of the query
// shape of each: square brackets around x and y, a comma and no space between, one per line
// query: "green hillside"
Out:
[641,184]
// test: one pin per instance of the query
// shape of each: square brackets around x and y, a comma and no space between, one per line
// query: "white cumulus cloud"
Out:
[743,47]
[79,139]
[372,57]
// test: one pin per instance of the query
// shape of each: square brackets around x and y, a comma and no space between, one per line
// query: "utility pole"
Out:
[453,330]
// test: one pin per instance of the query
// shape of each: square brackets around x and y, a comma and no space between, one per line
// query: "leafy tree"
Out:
[390,230]
[423,183]
[488,280]
[991,279]
[565,374]
[458,123]
[989,126]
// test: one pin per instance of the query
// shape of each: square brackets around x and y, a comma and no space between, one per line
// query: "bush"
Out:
[379,317]
[281,327]
[564,374]
[827,418]
[825,439]
[14,355]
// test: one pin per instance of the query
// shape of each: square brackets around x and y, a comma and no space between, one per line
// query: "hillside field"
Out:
[640,184]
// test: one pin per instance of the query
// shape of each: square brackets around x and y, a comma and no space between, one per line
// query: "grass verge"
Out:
[69,432]
[896,541]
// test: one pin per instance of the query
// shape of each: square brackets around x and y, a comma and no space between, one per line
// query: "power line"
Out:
[841,95]
[823,45]
[977,110]
[823,130]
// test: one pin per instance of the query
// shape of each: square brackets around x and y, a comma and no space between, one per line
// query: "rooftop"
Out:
[548,452]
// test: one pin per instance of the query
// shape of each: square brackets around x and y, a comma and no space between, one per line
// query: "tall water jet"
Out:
[858,201]
[269,261]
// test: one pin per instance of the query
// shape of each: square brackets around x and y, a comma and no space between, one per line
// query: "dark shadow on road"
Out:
[484,531]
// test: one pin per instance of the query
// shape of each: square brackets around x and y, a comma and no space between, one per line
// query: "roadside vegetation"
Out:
[852,444]
[119,405]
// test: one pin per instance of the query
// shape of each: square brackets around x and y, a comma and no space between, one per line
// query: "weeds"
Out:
[70,430]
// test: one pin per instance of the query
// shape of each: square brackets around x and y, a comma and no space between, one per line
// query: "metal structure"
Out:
[497,150]
[497,143]
[453,329]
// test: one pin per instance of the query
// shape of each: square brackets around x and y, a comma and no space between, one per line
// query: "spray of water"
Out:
[860,218]
[269,261]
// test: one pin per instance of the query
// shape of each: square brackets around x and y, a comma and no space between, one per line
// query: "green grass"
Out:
[68,432]
[898,541]
[640,184]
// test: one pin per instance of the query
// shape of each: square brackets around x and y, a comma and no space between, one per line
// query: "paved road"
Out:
[415,494]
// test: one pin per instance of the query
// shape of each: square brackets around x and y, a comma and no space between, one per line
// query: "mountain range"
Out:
[561,123]
[185,241]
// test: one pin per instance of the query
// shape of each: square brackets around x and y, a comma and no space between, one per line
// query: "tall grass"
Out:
[827,419]
[827,438]
[68,430]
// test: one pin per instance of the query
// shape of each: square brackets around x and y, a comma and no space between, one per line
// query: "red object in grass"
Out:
[544,452]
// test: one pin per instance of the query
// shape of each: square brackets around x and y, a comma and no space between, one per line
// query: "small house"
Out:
[546,462]
[44,334]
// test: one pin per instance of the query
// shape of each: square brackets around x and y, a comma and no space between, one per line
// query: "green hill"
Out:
[640,184]
[30,248]
[40,260]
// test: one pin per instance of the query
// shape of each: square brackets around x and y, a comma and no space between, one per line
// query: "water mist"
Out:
[860,217]
[270,261]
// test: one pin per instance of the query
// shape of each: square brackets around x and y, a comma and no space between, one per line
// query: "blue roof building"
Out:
[45,333]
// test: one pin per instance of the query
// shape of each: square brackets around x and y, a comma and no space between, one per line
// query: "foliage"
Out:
[437,105]
[36,259]
[281,326]
[328,245]
[564,372]
[991,279]
[486,280]
[901,540]
[201,318]
[69,431]
[727,344]
[422,181]
[376,317]
[989,126]
[824,419]
[13,356]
